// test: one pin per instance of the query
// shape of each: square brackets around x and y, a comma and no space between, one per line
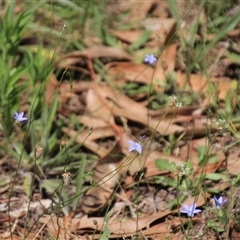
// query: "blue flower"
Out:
[150,58]
[190,210]
[134,146]
[19,117]
[220,201]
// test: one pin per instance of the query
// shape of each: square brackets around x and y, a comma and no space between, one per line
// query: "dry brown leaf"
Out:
[98,133]
[119,105]
[94,147]
[152,170]
[60,228]
[199,200]
[175,112]
[8,235]
[103,51]
[233,160]
[195,82]
[211,167]
[51,87]
[92,122]
[141,73]
[198,83]
[97,108]
[131,72]
[190,151]
[163,231]
[123,228]
[168,58]
[106,177]
[224,86]
[235,234]
[163,30]
[76,87]
[158,231]
[136,11]
[93,52]
[128,36]
[128,227]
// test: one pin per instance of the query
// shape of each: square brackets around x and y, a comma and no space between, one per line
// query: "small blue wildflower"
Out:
[219,201]
[19,117]
[134,146]
[190,210]
[150,58]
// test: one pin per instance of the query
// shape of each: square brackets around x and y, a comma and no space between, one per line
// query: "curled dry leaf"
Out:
[106,176]
[91,145]
[61,228]
[136,11]
[129,36]
[199,83]
[163,29]
[96,106]
[119,104]
[93,52]
[92,122]
[168,58]
[108,173]
[130,72]
[51,87]
[117,229]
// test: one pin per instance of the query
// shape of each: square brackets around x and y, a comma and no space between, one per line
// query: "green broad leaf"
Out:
[51,184]
[27,185]
[165,164]
[166,181]
[202,151]
[214,176]
[217,226]
[212,191]
[222,216]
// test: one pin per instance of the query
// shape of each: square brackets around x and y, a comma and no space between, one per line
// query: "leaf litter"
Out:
[129,186]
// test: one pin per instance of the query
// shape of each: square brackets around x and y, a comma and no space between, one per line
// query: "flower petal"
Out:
[197,210]
[15,114]
[138,148]
[131,142]
[193,206]
[185,206]
[131,148]
[191,214]
[184,211]
[225,200]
